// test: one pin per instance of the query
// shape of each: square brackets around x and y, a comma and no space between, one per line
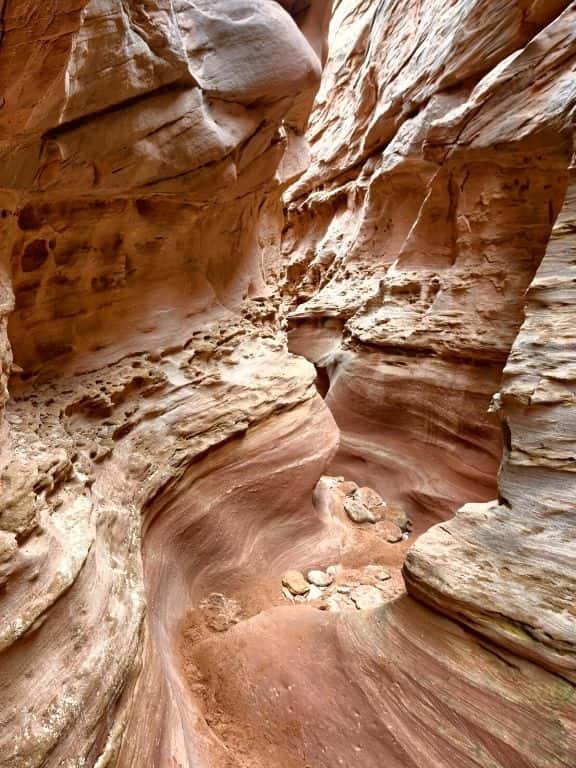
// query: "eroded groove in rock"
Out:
[439,162]
[403,687]
[201,558]
[509,569]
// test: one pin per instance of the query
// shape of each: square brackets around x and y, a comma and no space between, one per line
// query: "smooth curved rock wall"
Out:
[161,450]
[144,148]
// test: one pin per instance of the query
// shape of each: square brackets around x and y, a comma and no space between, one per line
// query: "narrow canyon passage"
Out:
[287,384]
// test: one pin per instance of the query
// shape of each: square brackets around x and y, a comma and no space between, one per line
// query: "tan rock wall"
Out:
[144,148]
[159,444]
[439,164]
[509,569]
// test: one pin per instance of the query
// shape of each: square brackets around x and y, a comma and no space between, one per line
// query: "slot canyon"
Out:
[287,384]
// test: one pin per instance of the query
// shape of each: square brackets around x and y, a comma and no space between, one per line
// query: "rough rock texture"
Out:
[440,144]
[165,460]
[509,569]
[144,148]
[402,687]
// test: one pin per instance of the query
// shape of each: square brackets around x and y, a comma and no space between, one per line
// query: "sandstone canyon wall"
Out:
[172,251]
[144,150]
[440,144]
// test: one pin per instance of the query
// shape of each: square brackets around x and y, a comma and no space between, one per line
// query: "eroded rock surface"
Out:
[439,163]
[508,569]
[165,455]
[144,148]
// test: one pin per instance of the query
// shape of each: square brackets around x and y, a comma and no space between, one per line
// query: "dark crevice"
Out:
[176,87]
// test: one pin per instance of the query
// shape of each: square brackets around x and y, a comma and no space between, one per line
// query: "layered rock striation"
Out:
[439,164]
[508,569]
[201,557]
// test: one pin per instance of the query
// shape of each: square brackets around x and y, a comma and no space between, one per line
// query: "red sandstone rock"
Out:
[509,569]
[418,228]
[164,459]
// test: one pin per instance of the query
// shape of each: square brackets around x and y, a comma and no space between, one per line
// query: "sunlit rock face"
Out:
[440,143]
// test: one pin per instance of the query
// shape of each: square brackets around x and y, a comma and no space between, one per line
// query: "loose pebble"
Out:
[378,572]
[320,578]
[359,513]
[296,583]
[337,603]
[287,594]
[314,593]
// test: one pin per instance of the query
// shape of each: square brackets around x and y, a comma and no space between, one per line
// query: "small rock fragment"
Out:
[358,513]
[332,570]
[348,487]
[369,497]
[320,578]
[296,583]
[365,597]
[397,516]
[220,612]
[287,594]
[314,593]
[378,572]
[338,603]
[394,538]
[344,589]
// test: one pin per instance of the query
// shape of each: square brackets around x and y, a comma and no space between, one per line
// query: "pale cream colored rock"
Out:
[369,497]
[366,597]
[378,572]
[339,602]
[359,513]
[314,593]
[319,578]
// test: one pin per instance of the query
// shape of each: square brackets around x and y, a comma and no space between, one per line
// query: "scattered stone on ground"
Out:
[320,578]
[300,599]
[359,513]
[366,596]
[398,517]
[345,589]
[296,583]
[287,594]
[314,593]
[220,612]
[337,603]
[378,572]
[348,487]
[394,538]
[369,497]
